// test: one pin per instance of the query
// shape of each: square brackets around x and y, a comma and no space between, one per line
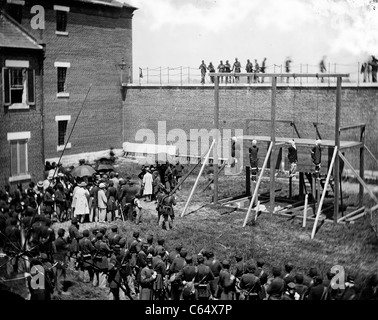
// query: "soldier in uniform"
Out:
[227,68]
[112,235]
[249,69]
[60,258]
[187,277]
[249,284]
[75,236]
[101,261]
[236,67]
[87,250]
[226,282]
[114,275]
[201,283]
[277,286]
[215,267]
[165,208]
[159,266]
[240,268]
[147,278]
[174,270]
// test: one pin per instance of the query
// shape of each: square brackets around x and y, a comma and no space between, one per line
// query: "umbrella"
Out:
[105,167]
[83,171]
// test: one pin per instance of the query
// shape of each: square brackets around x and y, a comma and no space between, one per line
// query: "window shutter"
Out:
[31,87]
[6,87]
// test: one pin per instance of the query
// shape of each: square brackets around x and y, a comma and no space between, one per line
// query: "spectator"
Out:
[287,66]
[249,69]
[374,68]
[236,67]
[102,202]
[227,68]
[211,70]
[262,69]
[203,68]
[257,70]
[322,67]
[221,68]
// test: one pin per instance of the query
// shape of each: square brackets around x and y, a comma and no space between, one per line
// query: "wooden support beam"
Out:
[351,214]
[257,185]
[305,211]
[216,138]
[196,182]
[336,172]
[324,192]
[371,153]
[273,142]
[353,126]
[356,217]
[248,180]
[362,164]
[359,178]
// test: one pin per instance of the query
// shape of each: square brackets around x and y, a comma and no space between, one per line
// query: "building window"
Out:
[62,129]
[62,79]
[18,84]
[62,132]
[18,155]
[61,21]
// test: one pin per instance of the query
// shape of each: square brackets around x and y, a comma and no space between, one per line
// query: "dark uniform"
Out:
[177,265]
[60,257]
[226,282]
[215,267]
[187,276]
[87,250]
[75,236]
[165,208]
[204,276]
[101,261]
[250,284]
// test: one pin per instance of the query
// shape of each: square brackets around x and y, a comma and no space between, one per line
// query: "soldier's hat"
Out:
[238,256]
[99,236]
[95,230]
[74,220]
[102,230]
[114,228]
[135,234]
[117,247]
[200,259]
[188,259]
[86,233]
[225,264]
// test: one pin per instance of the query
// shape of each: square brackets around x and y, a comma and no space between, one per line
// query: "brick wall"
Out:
[97,39]
[22,120]
[193,108]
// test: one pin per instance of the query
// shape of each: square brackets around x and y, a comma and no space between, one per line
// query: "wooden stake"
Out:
[199,175]
[305,211]
[351,214]
[324,192]
[258,184]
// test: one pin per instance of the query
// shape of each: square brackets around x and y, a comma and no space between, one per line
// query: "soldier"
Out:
[290,292]
[42,293]
[112,235]
[147,278]
[226,282]
[75,236]
[257,69]
[187,277]
[215,267]
[277,286]
[177,265]
[114,275]
[165,208]
[87,250]
[159,266]
[236,67]
[201,282]
[211,70]
[227,68]
[203,68]
[239,270]
[249,69]
[151,246]
[60,258]
[101,261]
[250,284]
[300,288]
[289,274]
[221,68]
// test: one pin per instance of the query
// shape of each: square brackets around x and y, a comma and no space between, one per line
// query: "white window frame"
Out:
[67,65]
[63,118]
[65,9]
[20,136]
[23,64]
[19,2]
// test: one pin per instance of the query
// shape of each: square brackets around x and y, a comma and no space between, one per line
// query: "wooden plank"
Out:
[324,193]
[305,211]
[353,126]
[350,214]
[196,182]
[273,142]
[357,216]
[216,138]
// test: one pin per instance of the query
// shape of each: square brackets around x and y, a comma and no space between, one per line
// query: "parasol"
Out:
[83,171]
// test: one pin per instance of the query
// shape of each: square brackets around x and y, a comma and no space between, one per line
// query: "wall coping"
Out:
[197,86]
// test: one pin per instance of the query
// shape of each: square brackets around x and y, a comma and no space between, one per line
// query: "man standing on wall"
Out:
[203,68]
[236,68]
[322,67]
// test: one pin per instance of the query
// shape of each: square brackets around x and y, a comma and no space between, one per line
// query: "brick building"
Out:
[21,126]
[85,42]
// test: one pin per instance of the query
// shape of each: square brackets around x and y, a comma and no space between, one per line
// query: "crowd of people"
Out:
[131,267]
[368,70]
